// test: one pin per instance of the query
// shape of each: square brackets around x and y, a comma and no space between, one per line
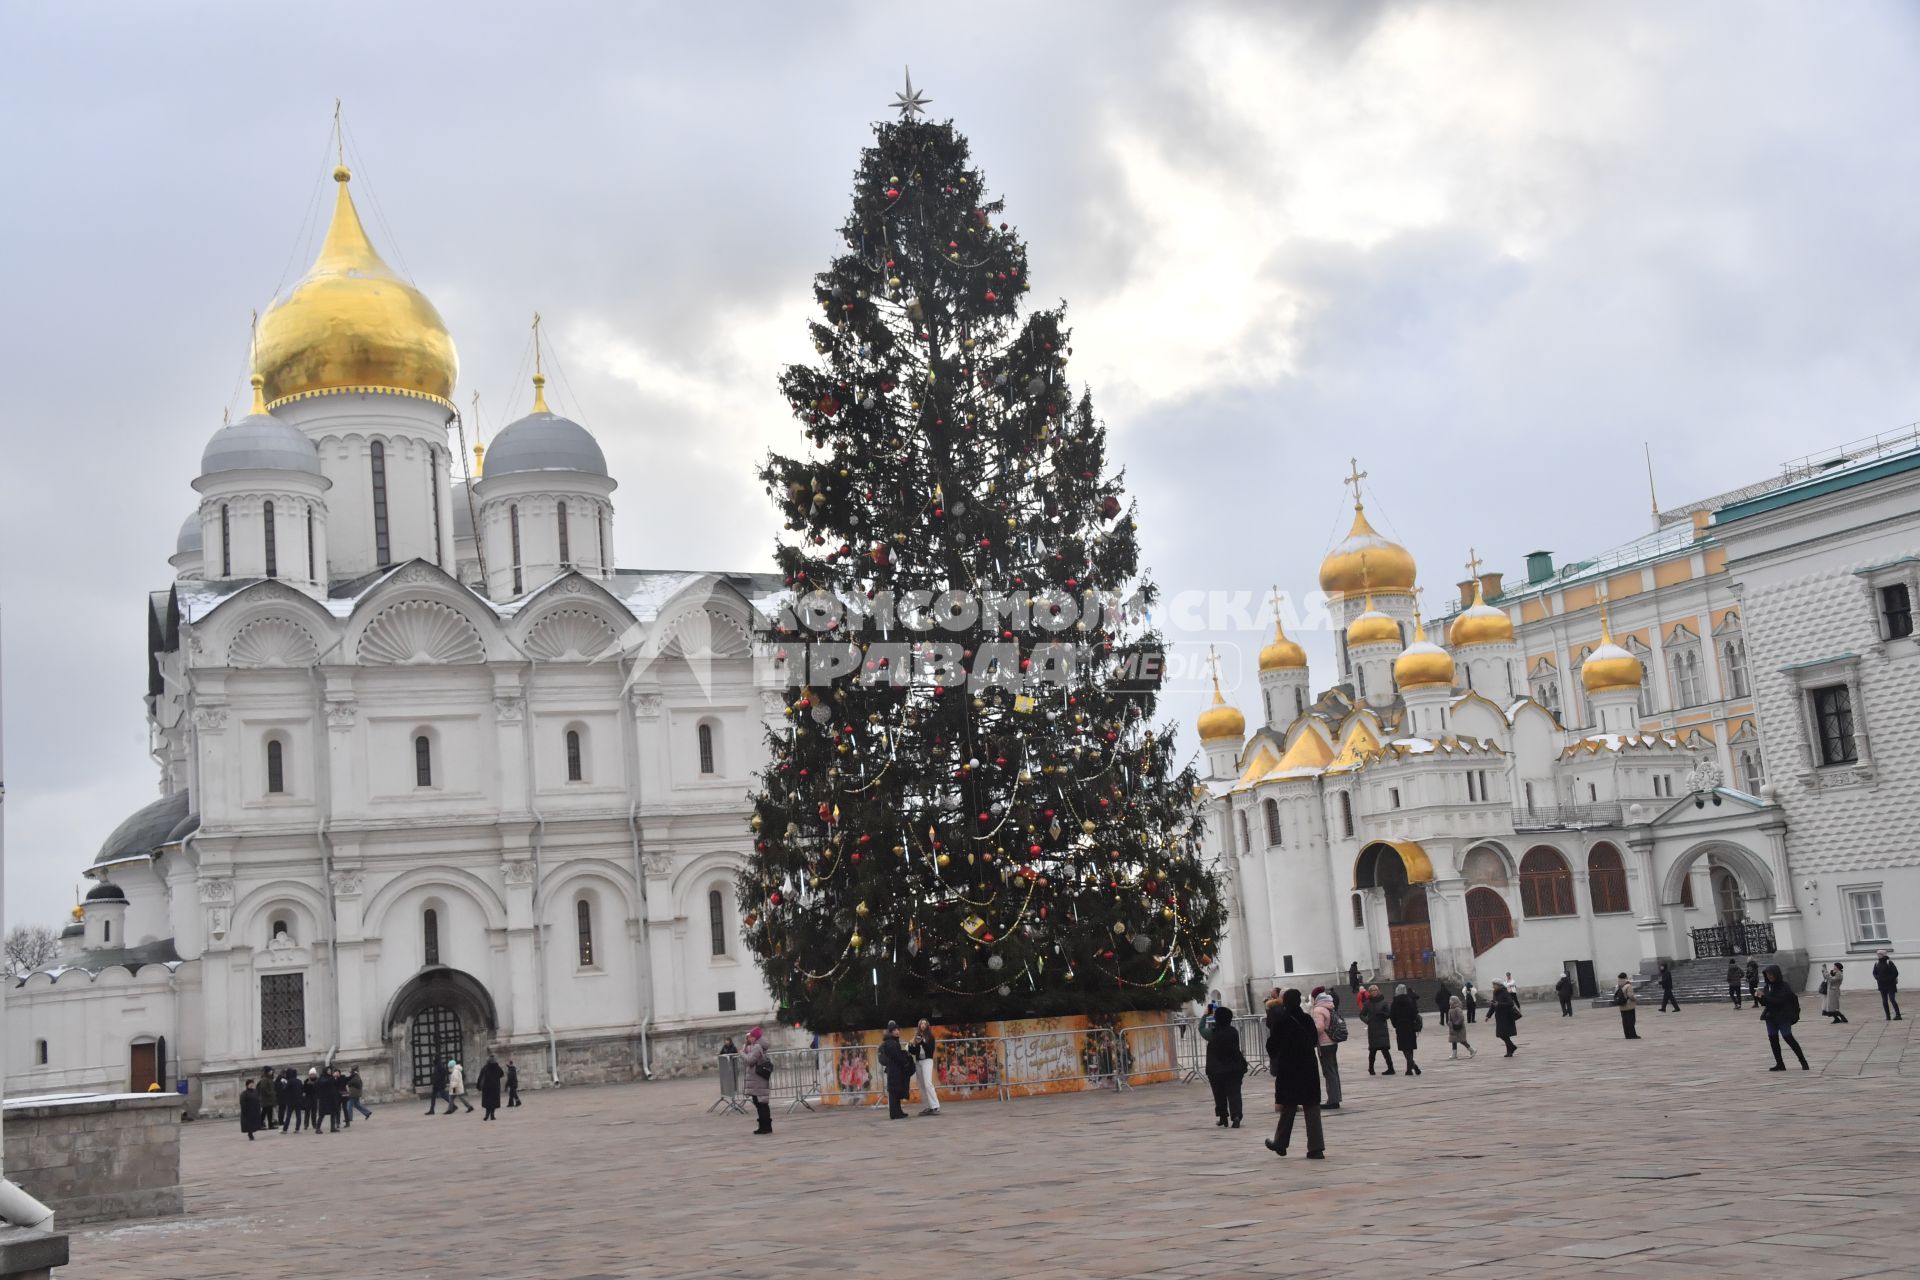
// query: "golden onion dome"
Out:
[1283,654]
[1610,667]
[352,324]
[1371,626]
[1480,623]
[1221,722]
[1365,561]
[1423,663]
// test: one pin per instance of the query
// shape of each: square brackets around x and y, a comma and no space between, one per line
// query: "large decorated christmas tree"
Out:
[968,813]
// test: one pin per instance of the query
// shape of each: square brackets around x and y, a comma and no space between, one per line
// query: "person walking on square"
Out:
[490,1077]
[1623,1000]
[1293,1057]
[1666,989]
[1457,1028]
[1353,977]
[286,1094]
[1506,1017]
[320,1088]
[1733,982]
[338,1079]
[1442,1001]
[1753,980]
[250,1115]
[1886,976]
[1564,989]
[457,1087]
[513,1078]
[1781,1010]
[1226,1068]
[1470,997]
[1377,1016]
[267,1090]
[1404,1013]
[898,1065]
[1327,1022]
[756,1072]
[1835,972]
[922,1048]
[355,1087]
[439,1086]
[310,1098]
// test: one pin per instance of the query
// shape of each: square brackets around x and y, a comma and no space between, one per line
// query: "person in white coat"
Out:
[922,1050]
[457,1086]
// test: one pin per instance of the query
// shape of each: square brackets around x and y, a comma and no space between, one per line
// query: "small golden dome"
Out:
[1423,663]
[1610,667]
[1372,627]
[79,912]
[1366,561]
[1480,623]
[351,324]
[1221,722]
[1283,654]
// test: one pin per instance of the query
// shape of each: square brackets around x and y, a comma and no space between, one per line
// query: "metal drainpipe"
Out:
[539,839]
[322,800]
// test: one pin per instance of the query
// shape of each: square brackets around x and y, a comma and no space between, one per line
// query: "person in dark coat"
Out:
[1666,989]
[355,1088]
[1781,1009]
[1564,989]
[265,1091]
[1506,1016]
[250,1116]
[325,1097]
[1294,1057]
[293,1103]
[513,1077]
[490,1077]
[1753,980]
[440,1078]
[1442,1001]
[1226,1068]
[899,1068]
[1379,1033]
[1733,982]
[1353,977]
[1470,1000]
[1886,976]
[1404,1014]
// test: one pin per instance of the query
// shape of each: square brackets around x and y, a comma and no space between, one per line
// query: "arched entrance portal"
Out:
[1400,871]
[1741,908]
[440,1014]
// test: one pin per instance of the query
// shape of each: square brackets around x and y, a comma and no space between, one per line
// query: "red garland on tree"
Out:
[973,819]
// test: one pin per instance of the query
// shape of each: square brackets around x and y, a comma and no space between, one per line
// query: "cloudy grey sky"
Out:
[1489,249]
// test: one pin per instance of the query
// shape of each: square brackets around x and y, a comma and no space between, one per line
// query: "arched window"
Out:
[433,496]
[1750,778]
[1299,702]
[1271,808]
[1346,815]
[279,929]
[1607,881]
[273,554]
[430,935]
[706,748]
[226,543]
[1246,837]
[1359,912]
[1546,885]
[717,921]
[40,1052]
[312,572]
[106,931]
[1266,703]
[1736,654]
[276,768]
[1485,867]
[423,761]
[583,927]
[1488,920]
[513,529]
[601,521]
[574,763]
[382,542]
[566,552]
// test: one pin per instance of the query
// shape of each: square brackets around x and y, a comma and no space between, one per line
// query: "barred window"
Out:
[276,768]
[433,512]
[382,544]
[283,1010]
[1607,881]
[566,551]
[717,921]
[513,529]
[312,576]
[430,932]
[1546,885]
[226,543]
[423,761]
[706,748]
[583,927]
[1833,713]
[574,763]
[273,554]
[1272,810]
[602,522]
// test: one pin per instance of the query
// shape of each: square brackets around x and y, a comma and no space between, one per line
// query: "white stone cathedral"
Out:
[436,777]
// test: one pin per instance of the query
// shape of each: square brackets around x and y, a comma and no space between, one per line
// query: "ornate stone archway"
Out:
[439,1013]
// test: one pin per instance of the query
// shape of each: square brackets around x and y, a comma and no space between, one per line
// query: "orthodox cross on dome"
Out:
[1473,564]
[1275,600]
[539,374]
[912,103]
[1354,479]
[1213,669]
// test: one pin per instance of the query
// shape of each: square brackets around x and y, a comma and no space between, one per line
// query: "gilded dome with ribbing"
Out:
[352,324]
[1372,627]
[1282,654]
[1610,667]
[1480,623]
[1220,721]
[1365,561]
[1423,663]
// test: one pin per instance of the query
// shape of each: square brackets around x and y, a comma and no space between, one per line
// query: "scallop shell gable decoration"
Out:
[272,642]
[570,635]
[414,632]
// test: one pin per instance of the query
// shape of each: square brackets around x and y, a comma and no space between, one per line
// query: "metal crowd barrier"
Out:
[731,1099]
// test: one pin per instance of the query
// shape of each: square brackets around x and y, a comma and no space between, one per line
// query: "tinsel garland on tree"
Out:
[986,830]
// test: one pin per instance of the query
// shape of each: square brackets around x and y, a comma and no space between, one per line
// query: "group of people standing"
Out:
[450,1087]
[293,1103]
[904,1064]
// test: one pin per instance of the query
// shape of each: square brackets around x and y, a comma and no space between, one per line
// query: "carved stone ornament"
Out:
[272,591]
[212,891]
[572,587]
[646,706]
[217,923]
[509,710]
[340,714]
[1704,776]
[415,573]
[347,884]
[519,872]
[212,719]
[658,864]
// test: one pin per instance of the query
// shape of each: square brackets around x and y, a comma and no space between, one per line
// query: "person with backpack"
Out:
[1886,976]
[1457,1027]
[1226,1068]
[1506,1017]
[1564,989]
[1375,1013]
[1331,1031]
[1781,1010]
[1623,1000]
[1404,1013]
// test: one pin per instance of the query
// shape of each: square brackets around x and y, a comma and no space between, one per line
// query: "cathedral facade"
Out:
[1450,806]
[437,778]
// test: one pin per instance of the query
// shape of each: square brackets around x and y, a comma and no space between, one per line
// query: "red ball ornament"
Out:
[774,897]
[893,193]
[992,296]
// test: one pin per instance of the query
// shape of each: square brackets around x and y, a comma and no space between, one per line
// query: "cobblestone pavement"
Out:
[1678,1155]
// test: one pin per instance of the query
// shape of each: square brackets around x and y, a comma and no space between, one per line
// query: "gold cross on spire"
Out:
[1355,478]
[1473,563]
[539,374]
[339,136]
[1275,600]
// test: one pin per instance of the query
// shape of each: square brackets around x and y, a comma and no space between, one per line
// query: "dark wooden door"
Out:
[146,1068]
[1412,950]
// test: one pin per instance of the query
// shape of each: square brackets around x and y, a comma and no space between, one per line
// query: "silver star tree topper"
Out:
[912,103]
